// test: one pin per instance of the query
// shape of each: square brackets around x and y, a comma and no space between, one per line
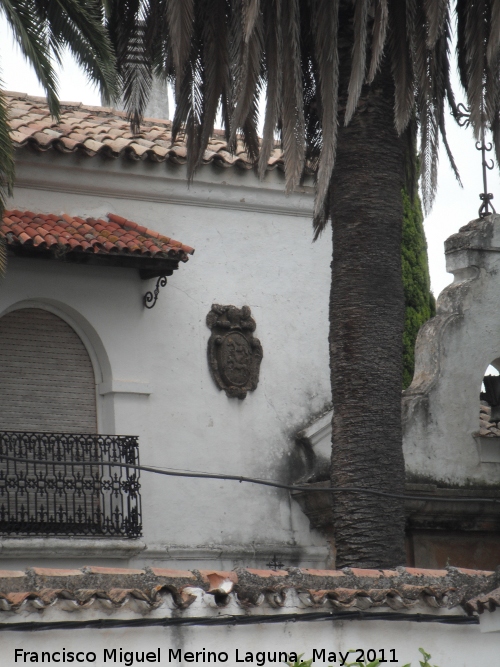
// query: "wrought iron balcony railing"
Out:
[69,484]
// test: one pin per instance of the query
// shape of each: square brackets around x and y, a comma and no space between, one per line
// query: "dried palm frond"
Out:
[292,121]
[221,53]
[250,17]
[494,36]
[216,81]
[380,23]
[436,12]
[6,154]
[247,52]
[401,24]
[6,173]
[180,19]
[78,26]
[358,66]
[325,29]
[473,36]
[273,75]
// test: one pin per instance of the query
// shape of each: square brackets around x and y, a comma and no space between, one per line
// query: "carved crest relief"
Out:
[234,355]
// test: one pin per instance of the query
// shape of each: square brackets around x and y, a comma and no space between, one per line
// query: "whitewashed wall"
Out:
[254,247]
[453,352]
[449,646]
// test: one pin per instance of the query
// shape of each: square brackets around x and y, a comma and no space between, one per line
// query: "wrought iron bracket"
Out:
[150,298]
[463,119]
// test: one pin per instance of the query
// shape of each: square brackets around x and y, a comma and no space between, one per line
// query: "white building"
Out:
[147,372]
[98,571]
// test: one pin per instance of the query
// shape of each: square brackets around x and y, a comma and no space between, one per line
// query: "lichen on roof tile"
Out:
[40,588]
[103,131]
[68,233]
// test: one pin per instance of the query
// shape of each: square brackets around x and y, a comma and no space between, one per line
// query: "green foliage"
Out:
[6,164]
[420,304]
[43,30]
[306,663]
[425,662]
[358,663]
[375,663]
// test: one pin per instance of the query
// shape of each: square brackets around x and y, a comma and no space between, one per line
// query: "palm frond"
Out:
[137,78]
[435,12]
[460,51]
[78,26]
[216,82]
[475,37]
[273,47]
[443,88]
[222,52]
[432,69]
[6,170]
[28,29]
[7,167]
[429,143]
[325,28]
[449,154]
[358,65]
[292,120]
[379,33]
[492,51]
[250,16]
[180,17]
[401,21]
[311,88]
[247,53]
[188,117]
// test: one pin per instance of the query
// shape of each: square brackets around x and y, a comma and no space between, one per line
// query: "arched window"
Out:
[47,380]
[57,476]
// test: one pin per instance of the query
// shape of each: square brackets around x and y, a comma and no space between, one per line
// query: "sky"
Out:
[453,207]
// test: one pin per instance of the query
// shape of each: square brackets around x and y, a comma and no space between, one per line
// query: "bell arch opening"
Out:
[489,408]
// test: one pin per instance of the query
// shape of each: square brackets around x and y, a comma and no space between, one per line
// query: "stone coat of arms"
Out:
[234,355]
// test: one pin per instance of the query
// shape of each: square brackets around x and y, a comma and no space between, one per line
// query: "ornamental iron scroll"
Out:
[69,484]
[150,298]
[463,119]
[234,355]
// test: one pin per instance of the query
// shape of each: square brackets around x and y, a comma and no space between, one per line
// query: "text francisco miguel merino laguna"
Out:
[119,656]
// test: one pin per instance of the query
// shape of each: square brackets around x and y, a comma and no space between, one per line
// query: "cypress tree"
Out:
[420,304]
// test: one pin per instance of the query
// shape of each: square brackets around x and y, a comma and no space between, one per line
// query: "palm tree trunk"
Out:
[366,328]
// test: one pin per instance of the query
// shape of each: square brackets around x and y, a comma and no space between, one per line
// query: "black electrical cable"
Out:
[106,624]
[250,480]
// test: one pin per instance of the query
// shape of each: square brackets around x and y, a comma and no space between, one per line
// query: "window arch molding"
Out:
[92,343]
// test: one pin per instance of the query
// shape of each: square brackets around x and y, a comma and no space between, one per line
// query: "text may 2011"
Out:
[259,658]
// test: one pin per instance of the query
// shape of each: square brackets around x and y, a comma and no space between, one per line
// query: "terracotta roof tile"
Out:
[421,572]
[145,590]
[103,131]
[268,573]
[113,570]
[484,602]
[324,573]
[175,574]
[65,233]
[55,572]
[366,573]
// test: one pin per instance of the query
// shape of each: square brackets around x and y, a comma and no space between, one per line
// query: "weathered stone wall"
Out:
[442,443]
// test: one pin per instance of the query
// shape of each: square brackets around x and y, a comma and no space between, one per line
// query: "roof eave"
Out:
[148,267]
